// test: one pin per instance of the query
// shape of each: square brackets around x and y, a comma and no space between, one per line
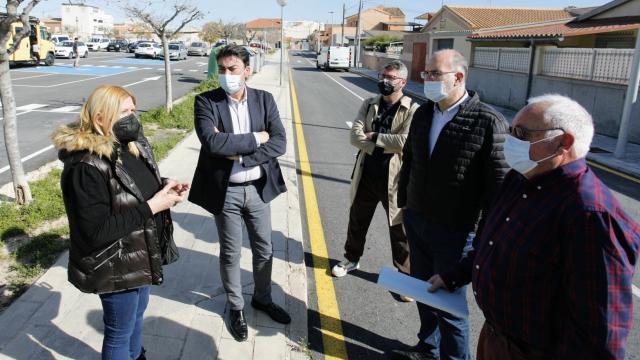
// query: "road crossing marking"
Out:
[28,157]
[66,109]
[193,70]
[30,107]
[330,324]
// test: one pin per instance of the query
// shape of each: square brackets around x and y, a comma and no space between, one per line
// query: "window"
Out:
[443,44]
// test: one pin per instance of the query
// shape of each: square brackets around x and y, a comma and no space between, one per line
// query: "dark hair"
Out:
[234,50]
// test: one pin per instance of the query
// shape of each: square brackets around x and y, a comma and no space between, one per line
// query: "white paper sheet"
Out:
[452,302]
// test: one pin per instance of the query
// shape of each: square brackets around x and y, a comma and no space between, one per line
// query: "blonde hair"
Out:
[105,100]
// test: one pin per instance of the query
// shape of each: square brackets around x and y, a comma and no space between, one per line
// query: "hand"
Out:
[436,283]
[263,137]
[180,188]
[215,130]
[369,135]
[170,195]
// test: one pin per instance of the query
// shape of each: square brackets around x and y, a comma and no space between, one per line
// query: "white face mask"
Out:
[230,83]
[516,153]
[435,90]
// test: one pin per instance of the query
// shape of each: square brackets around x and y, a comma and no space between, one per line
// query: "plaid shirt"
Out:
[554,263]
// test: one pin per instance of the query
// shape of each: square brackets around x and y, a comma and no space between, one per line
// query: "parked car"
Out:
[148,49]
[177,51]
[57,39]
[117,45]
[334,57]
[65,49]
[97,44]
[132,46]
[199,48]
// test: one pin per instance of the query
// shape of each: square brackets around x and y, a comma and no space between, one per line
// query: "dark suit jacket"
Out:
[211,179]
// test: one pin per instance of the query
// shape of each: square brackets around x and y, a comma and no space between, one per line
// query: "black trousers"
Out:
[372,191]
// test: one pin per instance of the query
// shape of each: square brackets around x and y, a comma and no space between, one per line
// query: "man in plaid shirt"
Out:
[553,263]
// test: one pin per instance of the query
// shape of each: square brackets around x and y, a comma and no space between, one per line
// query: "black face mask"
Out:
[127,129]
[385,88]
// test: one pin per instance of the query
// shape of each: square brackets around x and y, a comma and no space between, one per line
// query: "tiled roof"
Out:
[481,18]
[565,29]
[425,16]
[263,24]
[393,11]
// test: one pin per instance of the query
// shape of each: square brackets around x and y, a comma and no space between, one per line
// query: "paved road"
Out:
[49,96]
[373,321]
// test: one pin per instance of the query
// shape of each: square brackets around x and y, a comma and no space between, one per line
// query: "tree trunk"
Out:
[20,185]
[167,74]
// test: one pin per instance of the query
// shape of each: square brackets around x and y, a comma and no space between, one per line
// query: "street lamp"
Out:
[331,41]
[282,4]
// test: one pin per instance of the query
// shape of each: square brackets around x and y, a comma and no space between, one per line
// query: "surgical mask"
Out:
[516,153]
[385,87]
[230,83]
[435,90]
[127,129]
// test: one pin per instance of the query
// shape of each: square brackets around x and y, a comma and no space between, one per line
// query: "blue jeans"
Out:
[434,249]
[123,313]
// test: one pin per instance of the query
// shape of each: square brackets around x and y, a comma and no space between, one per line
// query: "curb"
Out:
[603,164]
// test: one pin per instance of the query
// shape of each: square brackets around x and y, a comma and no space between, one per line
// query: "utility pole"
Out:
[630,99]
[358,27]
[343,11]
[331,41]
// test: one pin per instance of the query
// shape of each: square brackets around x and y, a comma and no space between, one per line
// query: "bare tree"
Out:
[14,14]
[210,32]
[160,26]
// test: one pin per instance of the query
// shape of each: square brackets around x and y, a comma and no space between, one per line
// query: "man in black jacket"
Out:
[237,176]
[452,165]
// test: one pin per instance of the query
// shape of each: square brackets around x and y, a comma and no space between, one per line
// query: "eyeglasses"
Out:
[382,76]
[521,132]
[424,75]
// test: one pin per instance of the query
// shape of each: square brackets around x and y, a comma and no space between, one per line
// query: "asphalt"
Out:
[48,96]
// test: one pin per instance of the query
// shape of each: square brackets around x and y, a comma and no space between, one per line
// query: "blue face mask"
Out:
[230,83]
[516,153]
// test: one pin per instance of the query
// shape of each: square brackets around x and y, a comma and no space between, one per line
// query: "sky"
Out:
[314,10]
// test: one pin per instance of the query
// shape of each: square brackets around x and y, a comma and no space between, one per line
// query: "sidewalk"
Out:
[185,317]
[602,146]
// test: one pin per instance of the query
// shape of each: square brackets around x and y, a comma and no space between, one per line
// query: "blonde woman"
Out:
[117,205]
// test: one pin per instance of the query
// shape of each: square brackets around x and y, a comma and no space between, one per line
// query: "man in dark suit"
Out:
[237,176]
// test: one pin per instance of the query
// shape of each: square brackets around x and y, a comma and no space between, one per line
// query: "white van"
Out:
[334,57]
[57,39]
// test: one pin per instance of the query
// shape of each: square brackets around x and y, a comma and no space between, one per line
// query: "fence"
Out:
[604,65]
[502,59]
[382,55]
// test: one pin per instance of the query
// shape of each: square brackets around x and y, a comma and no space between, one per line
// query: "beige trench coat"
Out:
[392,143]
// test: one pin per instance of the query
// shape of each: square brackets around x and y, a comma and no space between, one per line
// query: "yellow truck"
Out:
[35,48]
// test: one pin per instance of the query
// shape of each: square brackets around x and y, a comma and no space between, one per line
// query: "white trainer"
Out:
[342,268]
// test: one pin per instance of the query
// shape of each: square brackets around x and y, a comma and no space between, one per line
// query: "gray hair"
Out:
[567,114]
[398,65]
[458,62]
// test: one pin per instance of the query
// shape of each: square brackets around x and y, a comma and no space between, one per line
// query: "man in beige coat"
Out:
[379,132]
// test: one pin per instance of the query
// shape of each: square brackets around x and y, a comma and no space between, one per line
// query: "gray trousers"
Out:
[243,203]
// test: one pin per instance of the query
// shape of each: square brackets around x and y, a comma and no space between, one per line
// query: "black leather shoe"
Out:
[274,311]
[409,355]
[238,325]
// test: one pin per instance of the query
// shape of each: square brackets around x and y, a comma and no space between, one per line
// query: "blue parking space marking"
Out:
[83,70]
[134,61]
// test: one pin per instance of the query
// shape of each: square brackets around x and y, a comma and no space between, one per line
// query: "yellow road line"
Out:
[614,172]
[330,324]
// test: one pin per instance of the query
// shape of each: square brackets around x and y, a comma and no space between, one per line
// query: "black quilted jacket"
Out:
[465,169]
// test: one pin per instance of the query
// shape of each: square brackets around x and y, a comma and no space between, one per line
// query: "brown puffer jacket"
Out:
[133,260]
